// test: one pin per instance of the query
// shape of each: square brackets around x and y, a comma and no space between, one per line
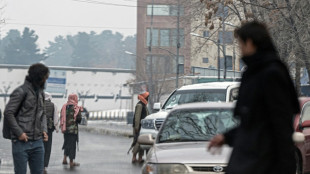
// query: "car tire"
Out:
[298,164]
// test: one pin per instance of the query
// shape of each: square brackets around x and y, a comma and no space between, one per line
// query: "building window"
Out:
[228,37]
[220,12]
[205,33]
[154,37]
[164,37]
[174,36]
[181,65]
[228,62]
[174,10]
[164,64]
[164,10]
[205,60]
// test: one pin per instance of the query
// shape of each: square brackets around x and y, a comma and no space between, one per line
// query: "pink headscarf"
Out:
[72,100]
[142,97]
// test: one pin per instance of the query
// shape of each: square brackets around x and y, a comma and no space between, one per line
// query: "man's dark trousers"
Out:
[31,152]
[48,147]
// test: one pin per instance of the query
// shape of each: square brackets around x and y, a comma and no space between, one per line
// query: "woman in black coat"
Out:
[267,102]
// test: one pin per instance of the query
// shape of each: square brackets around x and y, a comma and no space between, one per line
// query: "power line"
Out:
[68,26]
[105,3]
[112,4]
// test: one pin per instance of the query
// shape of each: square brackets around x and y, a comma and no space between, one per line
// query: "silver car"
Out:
[180,146]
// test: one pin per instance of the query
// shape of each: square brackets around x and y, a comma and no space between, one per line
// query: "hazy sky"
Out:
[50,18]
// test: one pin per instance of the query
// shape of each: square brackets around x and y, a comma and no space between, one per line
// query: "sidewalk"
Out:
[108,128]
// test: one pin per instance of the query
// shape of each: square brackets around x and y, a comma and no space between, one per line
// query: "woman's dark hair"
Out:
[258,33]
[37,72]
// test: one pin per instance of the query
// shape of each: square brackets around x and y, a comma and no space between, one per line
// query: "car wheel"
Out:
[298,164]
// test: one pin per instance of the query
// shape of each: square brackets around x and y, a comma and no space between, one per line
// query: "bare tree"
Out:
[163,77]
[287,20]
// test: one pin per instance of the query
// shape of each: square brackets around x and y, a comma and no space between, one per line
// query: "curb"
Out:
[105,131]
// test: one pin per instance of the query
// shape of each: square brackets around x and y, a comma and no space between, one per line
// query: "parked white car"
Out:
[181,144]
[204,92]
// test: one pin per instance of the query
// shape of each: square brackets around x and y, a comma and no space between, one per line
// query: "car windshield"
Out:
[192,96]
[196,125]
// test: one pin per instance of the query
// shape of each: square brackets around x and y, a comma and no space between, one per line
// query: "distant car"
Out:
[180,146]
[203,92]
[85,116]
[302,124]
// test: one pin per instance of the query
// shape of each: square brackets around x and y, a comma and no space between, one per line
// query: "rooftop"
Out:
[205,105]
[212,85]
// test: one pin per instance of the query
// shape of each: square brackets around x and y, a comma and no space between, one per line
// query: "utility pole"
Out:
[151,61]
[223,40]
[234,57]
[218,60]
[178,47]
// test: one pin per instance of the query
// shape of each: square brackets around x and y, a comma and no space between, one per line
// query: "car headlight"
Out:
[147,124]
[150,168]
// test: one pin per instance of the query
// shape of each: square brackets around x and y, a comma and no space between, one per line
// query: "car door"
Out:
[305,116]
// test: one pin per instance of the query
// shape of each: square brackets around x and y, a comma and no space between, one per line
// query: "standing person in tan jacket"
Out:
[141,112]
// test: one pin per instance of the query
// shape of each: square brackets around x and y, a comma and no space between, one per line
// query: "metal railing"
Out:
[113,115]
[212,72]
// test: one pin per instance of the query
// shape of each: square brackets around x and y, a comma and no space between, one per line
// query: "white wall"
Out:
[99,83]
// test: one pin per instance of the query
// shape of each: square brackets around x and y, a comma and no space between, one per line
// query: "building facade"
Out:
[157,27]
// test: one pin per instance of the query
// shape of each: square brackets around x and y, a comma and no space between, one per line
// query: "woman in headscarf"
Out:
[141,112]
[70,118]
[52,124]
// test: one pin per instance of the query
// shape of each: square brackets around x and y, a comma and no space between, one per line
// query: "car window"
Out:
[305,114]
[196,125]
[192,96]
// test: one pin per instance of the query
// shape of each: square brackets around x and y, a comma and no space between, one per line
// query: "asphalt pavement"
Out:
[97,154]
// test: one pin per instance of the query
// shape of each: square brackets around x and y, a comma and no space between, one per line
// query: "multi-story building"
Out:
[157,26]
[210,45]
[158,22]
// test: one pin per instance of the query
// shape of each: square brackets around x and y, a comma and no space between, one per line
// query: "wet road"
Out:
[97,154]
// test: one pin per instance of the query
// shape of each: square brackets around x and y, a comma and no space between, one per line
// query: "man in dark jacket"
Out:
[52,124]
[27,121]
[267,101]
[141,112]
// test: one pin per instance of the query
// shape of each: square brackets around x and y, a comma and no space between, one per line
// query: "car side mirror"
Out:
[146,139]
[306,124]
[157,106]
[298,137]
